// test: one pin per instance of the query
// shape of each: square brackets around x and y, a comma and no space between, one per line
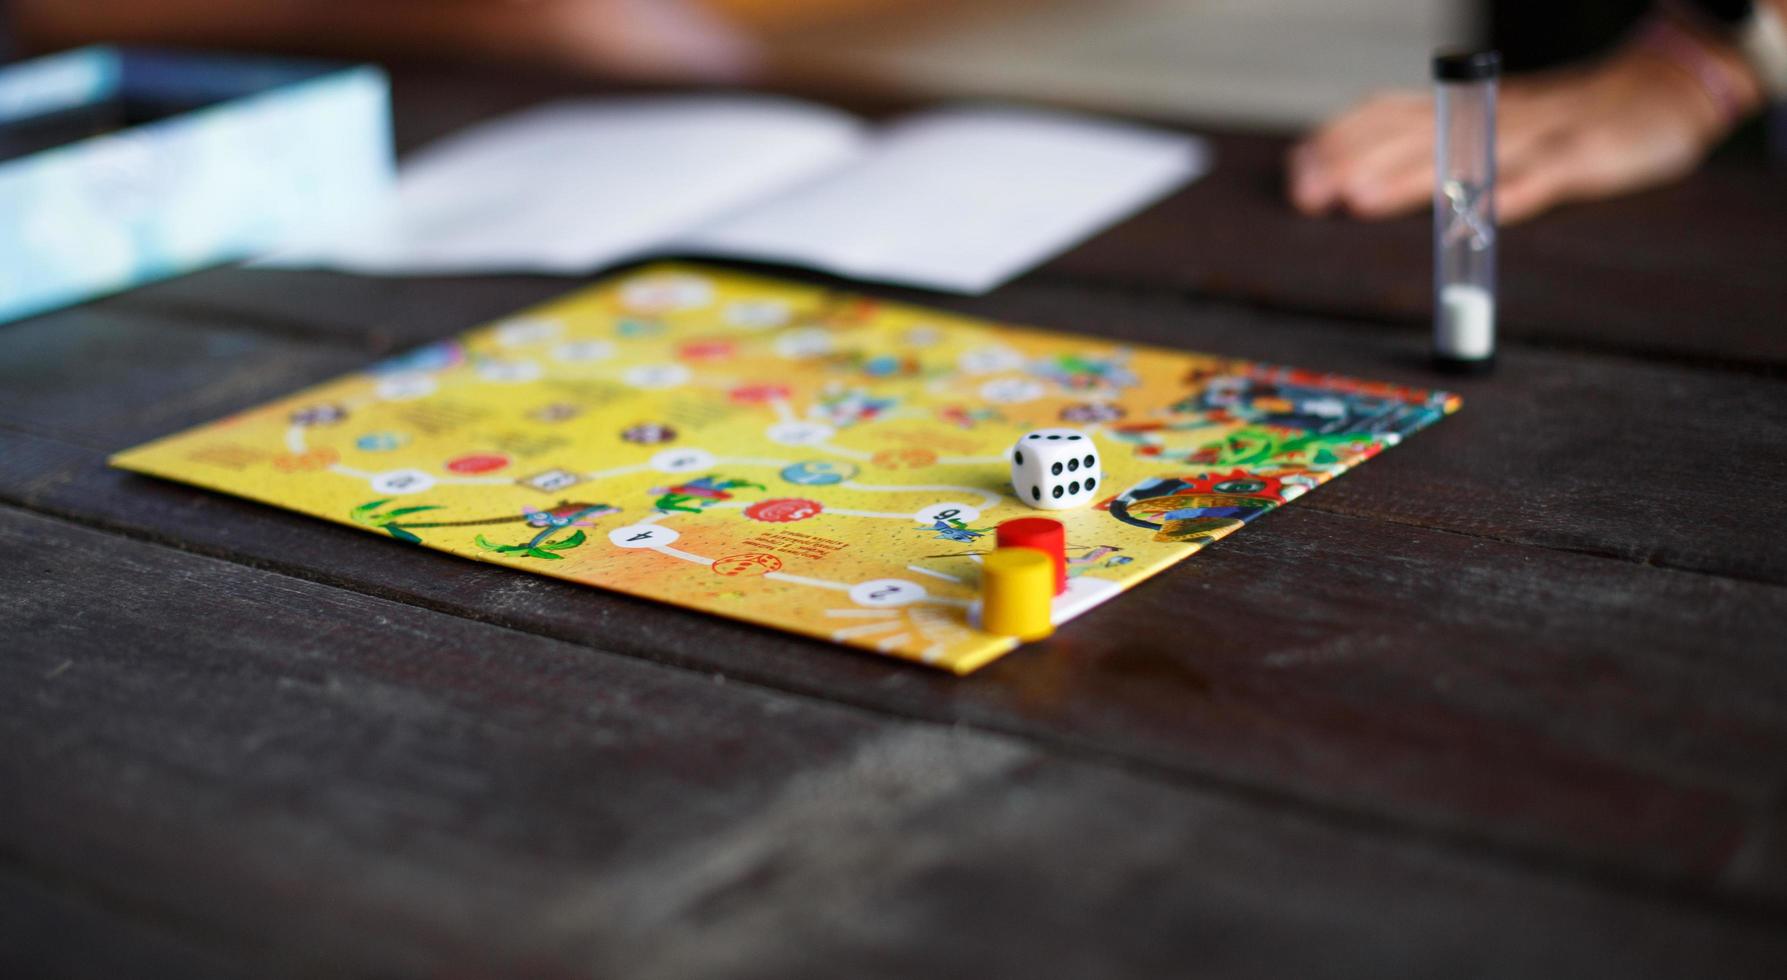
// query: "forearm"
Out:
[328,26]
[641,38]
[1707,53]
[526,28]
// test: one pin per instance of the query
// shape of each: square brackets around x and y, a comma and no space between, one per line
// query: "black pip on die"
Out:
[1055,469]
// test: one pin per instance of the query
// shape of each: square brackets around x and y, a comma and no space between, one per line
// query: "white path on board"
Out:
[987,497]
[866,628]
[803,580]
[664,549]
[934,574]
[617,471]
[841,451]
[973,460]
[907,516]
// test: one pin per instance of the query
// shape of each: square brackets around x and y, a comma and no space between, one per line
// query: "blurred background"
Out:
[1279,64]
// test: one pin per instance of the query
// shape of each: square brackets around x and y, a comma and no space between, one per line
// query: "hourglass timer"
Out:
[1464,87]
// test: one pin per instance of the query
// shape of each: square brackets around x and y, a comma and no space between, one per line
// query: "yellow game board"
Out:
[788,455]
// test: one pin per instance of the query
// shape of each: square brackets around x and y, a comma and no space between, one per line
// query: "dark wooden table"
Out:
[1510,701]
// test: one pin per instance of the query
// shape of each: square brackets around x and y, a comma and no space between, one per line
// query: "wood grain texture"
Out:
[99,377]
[1490,692]
[335,784]
[56,928]
[1544,775]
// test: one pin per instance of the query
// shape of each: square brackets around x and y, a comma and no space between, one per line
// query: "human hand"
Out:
[1637,120]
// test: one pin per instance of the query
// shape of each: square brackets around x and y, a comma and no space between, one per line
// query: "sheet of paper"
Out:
[963,199]
[574,185]
[958,200]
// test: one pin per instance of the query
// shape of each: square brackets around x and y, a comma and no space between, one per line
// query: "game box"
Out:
[119,165]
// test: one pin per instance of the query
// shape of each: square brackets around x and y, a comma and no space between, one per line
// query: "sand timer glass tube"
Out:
[1464,88]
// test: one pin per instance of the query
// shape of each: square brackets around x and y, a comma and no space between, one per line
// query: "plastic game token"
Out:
[1038,534]
[1015,593]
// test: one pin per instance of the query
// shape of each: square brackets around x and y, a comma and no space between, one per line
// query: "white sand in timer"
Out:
[1466,325]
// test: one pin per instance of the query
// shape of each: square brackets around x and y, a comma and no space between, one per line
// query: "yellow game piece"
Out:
[1017,586]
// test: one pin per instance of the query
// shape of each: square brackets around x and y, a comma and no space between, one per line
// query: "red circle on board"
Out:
[706,350]
[758,394]
[783,510]
[478,463]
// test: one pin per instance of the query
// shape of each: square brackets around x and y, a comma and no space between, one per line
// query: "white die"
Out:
[1055,469]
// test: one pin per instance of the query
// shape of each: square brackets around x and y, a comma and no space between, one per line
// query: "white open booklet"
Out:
[955,199]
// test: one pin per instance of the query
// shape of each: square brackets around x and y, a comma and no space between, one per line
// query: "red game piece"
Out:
[1044,535]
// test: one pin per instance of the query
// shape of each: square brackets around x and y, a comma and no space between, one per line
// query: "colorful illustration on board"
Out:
[789,455]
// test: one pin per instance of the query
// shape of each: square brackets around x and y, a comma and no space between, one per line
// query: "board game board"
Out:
[788,455]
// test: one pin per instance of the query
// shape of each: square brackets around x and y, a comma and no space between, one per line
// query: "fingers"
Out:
[1391,178]
[1376,161]
[1381,135]
[1527,192]
[1392,191]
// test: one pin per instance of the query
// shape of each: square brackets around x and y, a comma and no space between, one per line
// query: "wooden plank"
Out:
[100,377]
[1482,691]
[380,316]
[323,782]
[48,933]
